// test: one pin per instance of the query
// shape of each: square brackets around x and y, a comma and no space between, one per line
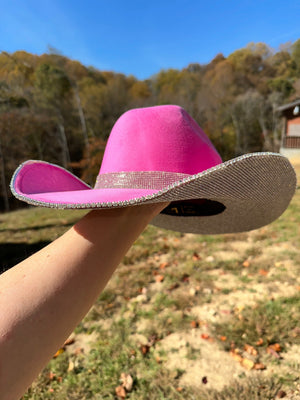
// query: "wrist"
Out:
[145,211]
[130,219]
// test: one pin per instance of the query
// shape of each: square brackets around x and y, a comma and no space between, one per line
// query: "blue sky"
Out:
[141,37]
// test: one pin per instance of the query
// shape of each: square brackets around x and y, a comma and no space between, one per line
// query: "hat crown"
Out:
[160,138]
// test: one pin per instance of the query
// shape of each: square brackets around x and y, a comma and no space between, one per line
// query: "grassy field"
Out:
[184,316]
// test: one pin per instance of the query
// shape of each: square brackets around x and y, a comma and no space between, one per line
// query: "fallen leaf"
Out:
[263,272]
[260,342]
[179,389]
[223,338]
[163,265]
[235,350]
[145,349]
[196,257]
[259,366]
[51,376]
[71,366]
[59,351]
[248,364]
[205,336]
[185,278]
[250,349]
[281,394]
[236,357]
[276,347]
[120,392]
[194,324]
[236,353]
[159,278]
[127,381]
[69,341]
[272,352]
[132,353]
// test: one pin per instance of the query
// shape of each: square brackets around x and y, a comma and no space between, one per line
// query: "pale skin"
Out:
[44,297]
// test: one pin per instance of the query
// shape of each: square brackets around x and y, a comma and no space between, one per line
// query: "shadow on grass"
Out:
[13,253]
[36,227]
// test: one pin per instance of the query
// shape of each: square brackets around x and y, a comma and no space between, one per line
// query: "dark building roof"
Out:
[289,105]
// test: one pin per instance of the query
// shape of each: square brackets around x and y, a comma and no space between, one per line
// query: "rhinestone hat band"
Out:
[139,179]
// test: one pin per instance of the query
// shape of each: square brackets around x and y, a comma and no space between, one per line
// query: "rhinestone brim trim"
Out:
[161,195]
[156,180]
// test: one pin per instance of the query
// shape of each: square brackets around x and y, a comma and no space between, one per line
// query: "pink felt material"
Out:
[39,176]
[161,138]
[92,196]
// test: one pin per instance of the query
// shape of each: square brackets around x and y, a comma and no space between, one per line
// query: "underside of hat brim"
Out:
[255,190]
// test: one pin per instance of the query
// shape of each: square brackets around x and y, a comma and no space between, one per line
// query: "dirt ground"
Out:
[189,350]
[210,359]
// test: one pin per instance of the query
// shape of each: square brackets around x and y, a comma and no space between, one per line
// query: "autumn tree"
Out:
[248,117]
[52,87]
[61,111]
[11,118]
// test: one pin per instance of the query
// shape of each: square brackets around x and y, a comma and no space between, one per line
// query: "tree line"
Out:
[56,109]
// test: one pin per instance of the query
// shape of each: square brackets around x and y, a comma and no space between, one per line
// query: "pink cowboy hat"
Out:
[160,154]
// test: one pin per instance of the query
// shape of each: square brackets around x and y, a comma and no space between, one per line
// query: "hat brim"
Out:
[255,189]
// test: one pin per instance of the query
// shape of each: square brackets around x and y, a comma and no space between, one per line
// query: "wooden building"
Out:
[290,139]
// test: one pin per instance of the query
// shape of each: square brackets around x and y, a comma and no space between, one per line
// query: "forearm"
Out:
[43,298]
